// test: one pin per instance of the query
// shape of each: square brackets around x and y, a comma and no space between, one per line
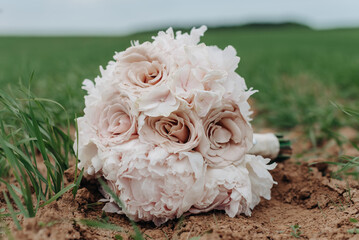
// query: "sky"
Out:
[120,17]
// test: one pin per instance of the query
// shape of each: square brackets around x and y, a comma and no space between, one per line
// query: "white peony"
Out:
[153,184]
[236,189]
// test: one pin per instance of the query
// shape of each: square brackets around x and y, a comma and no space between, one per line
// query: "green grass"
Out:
[348,165]
[297,71]
[295,231]
[28,136]
[100,224]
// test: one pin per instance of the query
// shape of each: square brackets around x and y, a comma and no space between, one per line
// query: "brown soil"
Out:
[322,207]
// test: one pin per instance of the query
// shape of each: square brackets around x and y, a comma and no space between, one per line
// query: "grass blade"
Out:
[98,224]
[12,212]
[59,194]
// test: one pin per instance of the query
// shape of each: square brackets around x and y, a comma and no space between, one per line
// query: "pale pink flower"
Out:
[228,136]
[260,178]
[114,119]
[186,82]
[159,102]
[228,189]
[153,184]
[141,68]
[109,120]
[88,147]
[180,131]
[198,89]
[236,189]
[175,43]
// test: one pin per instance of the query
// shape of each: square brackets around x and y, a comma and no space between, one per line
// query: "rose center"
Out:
[181,132]
[150,76]
[176,131]
[149,73]
[119,123]
[234,128]
[221,135]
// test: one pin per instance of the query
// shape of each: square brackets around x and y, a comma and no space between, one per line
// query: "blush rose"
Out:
[228,136]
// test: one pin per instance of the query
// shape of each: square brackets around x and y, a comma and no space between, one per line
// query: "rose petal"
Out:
[221,135]
[234,128]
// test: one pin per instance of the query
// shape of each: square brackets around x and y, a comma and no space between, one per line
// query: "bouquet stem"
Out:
[285,148]
[273,146]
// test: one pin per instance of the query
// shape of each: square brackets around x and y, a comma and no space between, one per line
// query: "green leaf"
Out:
[12,212]
[195,238]
[353,231]
[59,194]
[118,237]
[16,199]
[78,182]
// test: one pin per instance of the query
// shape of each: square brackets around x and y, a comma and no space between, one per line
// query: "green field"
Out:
[307,80]
[298,71]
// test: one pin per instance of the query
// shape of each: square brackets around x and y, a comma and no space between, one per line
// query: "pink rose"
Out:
[113,119]
[228,136]
[108,122]
[140,68]
[180,131]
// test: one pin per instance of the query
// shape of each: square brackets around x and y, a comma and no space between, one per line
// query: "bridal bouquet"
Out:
[167,126]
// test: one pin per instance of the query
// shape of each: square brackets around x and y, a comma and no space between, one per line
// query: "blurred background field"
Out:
[300,72]
[302,56]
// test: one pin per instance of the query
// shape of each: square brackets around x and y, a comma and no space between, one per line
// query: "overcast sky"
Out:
[116,17]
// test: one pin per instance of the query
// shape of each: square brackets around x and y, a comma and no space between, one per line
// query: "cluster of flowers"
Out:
[167,126]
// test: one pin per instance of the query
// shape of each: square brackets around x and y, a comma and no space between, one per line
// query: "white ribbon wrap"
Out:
[266,145]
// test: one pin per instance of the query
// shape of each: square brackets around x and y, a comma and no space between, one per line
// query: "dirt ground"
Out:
[306,203]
